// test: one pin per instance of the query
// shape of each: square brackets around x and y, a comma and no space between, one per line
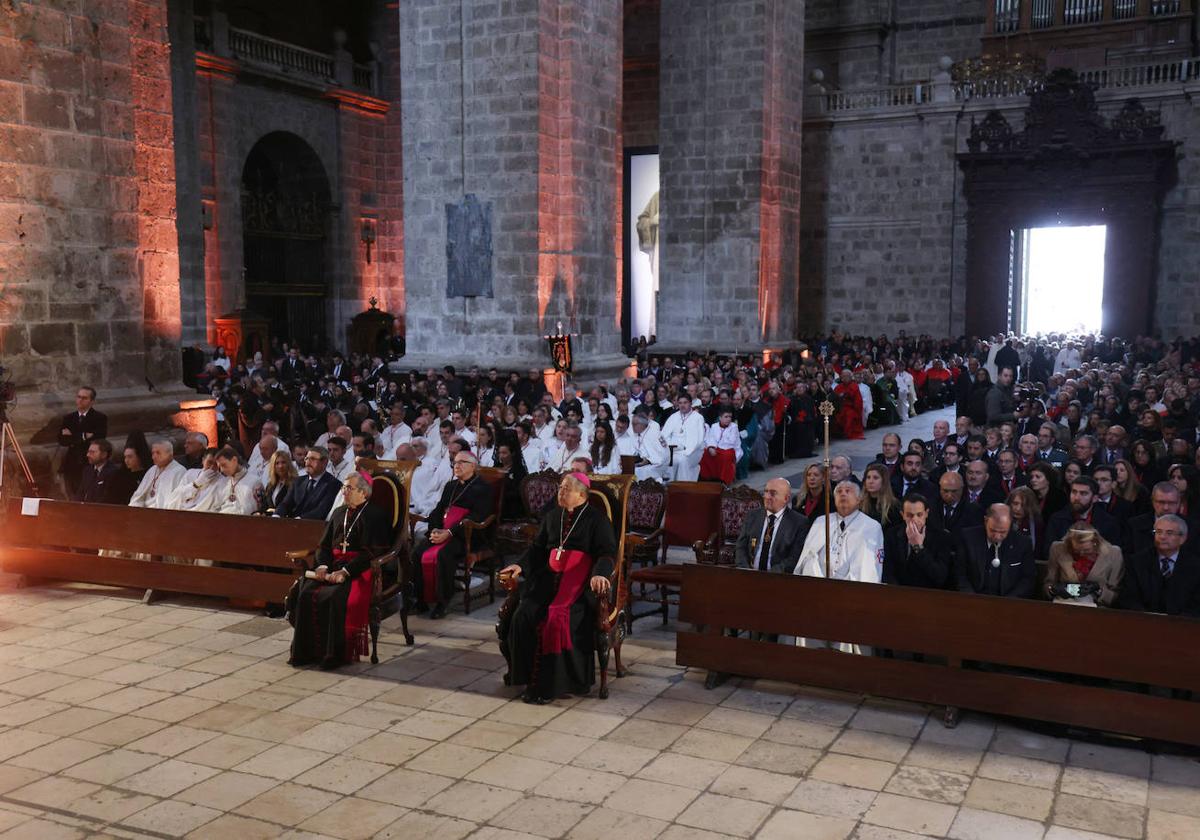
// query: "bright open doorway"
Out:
[1063,279]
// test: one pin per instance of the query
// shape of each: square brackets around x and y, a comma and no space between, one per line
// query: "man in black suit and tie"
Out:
[1164,578]
[79,429]
[293,366]
[313,495]
[916,553]
[1139,530]
[954,513]
[934,446]
[1114,445]
[97,480]
[772,536]
[1120,509]
[1048,448]
[1083,509]
[995,560]
[908,479]
[981,490]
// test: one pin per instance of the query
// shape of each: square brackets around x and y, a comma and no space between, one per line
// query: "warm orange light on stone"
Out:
[198,416]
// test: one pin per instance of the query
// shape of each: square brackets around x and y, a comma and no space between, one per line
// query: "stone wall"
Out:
[89,273]
[1177,301]
[640,97]
[926,30]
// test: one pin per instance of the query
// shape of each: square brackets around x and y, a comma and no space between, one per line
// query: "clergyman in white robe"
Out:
[158,484]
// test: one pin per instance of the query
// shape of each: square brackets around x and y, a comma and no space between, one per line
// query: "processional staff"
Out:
[826,409]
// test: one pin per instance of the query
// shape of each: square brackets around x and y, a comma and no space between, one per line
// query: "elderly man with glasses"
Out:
[1164,578]
[465,496]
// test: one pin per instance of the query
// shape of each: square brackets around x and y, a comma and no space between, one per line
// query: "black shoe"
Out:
[439,611]
[274,611]
[534,699]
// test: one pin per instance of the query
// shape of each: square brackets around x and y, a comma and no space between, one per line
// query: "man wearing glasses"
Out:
[312,494]
[466,496]
[1165,578]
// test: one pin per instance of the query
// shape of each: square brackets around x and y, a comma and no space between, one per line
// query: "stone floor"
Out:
[182,719]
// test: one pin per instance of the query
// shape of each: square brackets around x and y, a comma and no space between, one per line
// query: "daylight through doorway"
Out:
[1063,279]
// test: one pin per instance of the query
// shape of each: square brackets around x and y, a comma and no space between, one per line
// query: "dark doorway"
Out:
[285,221]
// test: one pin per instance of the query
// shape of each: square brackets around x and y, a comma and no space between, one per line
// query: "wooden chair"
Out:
[538,493]
[392,573]
[480,539]
[629,464]
[692,507]
[736,504]
[643,530]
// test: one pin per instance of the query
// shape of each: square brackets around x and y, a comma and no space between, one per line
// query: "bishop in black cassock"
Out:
[551,638]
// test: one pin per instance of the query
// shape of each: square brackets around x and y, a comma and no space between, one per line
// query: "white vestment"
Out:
[237,495]
[613,467]
[856,553]
[343,470]
[627,443]
[686,434]
[868,401]
[195,491]
[257,463]
[650,449]
[535,460]
[560,460]
[157,486]
[393,436]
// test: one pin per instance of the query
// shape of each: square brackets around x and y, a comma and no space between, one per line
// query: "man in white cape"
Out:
[160,481]
[855,552]
[683,439]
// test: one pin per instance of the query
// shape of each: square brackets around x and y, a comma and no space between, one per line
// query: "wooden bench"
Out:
[63,540]
[1004,656]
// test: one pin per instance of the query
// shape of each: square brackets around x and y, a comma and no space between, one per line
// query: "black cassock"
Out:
[553,664]
[472,500]
[321,609]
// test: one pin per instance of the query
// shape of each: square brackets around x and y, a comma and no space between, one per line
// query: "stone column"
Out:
[731,106]
[515,104]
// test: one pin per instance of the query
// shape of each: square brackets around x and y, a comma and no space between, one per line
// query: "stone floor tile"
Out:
[647,733]
[172,818]
[343,774]
[724,814]
[717,746]
[584,724]
[867,744]
[682,770]
[273,726]
[558,747]
[1058,832]
[686,832]
[113,766]
[283,762]
[1178,799]
[1166,826]
[52,792]
[755,698]
[971,824]
[167,778]
[288,804]
[830,800]
[1020,770]
[417,824]
[225,751]
[79,690]
[1022,742]
[946,757]
[110,804]
[576,784]
[449,760]
[821,708]
[472,801]
[792,825]
[70,722]
[436,726]
[172,740]
[1007,798]
[231,825]
[43,829]
[353,819]
[752,783]
[802,733]
[1125,761]
[128,699]
[491,832]
[615,757]
[226,791]
[375,715]
[469,705]
[918,816]
[851,770]
[220,689]
[227,717]
[651,799]
[605,824]
[58,755]
[526,714]
[490,735]
[514,771]
[330,737]
[390,748]
[924,783]
[1100,784]
[737,722]
[406,788]
[27,711]
[971,732]
[12,778]
[1099,816]
[543,816]
[1176,770]
[889,720]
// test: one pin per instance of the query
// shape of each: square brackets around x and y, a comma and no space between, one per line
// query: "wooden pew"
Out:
[1016,652]
[62,541]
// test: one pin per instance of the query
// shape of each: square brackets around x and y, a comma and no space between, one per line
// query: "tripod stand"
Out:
[8,439]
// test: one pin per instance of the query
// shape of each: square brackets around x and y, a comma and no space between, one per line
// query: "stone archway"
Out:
[1069,165]
[285,230]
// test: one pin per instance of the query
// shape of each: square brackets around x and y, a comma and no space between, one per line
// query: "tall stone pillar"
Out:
[511,144]
[729,138]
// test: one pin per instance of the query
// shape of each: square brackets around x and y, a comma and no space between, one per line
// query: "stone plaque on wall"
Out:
[469,248]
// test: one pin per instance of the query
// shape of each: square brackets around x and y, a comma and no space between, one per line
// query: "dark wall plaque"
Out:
[469,248]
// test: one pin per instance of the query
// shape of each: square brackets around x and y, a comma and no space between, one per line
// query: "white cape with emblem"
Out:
[856,553]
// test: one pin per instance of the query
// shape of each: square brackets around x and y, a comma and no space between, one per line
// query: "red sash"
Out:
[576,569]
[454,515]
[358,606]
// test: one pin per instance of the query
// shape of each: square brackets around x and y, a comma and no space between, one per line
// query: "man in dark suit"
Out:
[915,553]
[96,482]
[980,489]
[951,462]
[1114,445]
[890,456]
[908,479]
[1139,530]
[995,560]
[1048,448]
[1083,509]
[313,495]
[1010,477]
[954,513]
[1164,578]
[1114,505]
[79,429]
[1084,451]
[934,446]
[772,536]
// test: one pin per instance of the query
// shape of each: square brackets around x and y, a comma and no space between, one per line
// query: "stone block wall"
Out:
[926,30]
[1177,293]
[89,274]
[640,97]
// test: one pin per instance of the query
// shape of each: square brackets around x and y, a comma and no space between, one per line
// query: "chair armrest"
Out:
[470,526]
[299,559]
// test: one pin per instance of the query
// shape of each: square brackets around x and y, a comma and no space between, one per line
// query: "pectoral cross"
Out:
[556,555]
[345,542]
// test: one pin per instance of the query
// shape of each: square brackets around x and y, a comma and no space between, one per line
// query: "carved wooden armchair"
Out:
[480,539]
[736,504]
[393,572]
[538,493]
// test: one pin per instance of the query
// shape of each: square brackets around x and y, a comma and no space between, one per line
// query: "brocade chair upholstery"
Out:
[736,504]
[538,493]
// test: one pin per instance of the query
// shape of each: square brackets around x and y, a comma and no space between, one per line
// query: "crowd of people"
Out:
[1076,453]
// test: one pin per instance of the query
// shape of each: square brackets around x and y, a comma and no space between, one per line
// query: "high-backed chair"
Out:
[692,508]
[391,488]
[736,504]
[538,492]
[480,539]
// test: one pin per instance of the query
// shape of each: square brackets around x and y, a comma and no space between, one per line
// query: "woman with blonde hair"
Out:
[810,501]
[1084,568]
[281,473]
[878,501]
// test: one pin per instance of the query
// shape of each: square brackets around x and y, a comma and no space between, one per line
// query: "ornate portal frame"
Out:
[1070,166]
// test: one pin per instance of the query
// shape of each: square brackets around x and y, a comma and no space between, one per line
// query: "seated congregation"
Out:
[1070,474]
